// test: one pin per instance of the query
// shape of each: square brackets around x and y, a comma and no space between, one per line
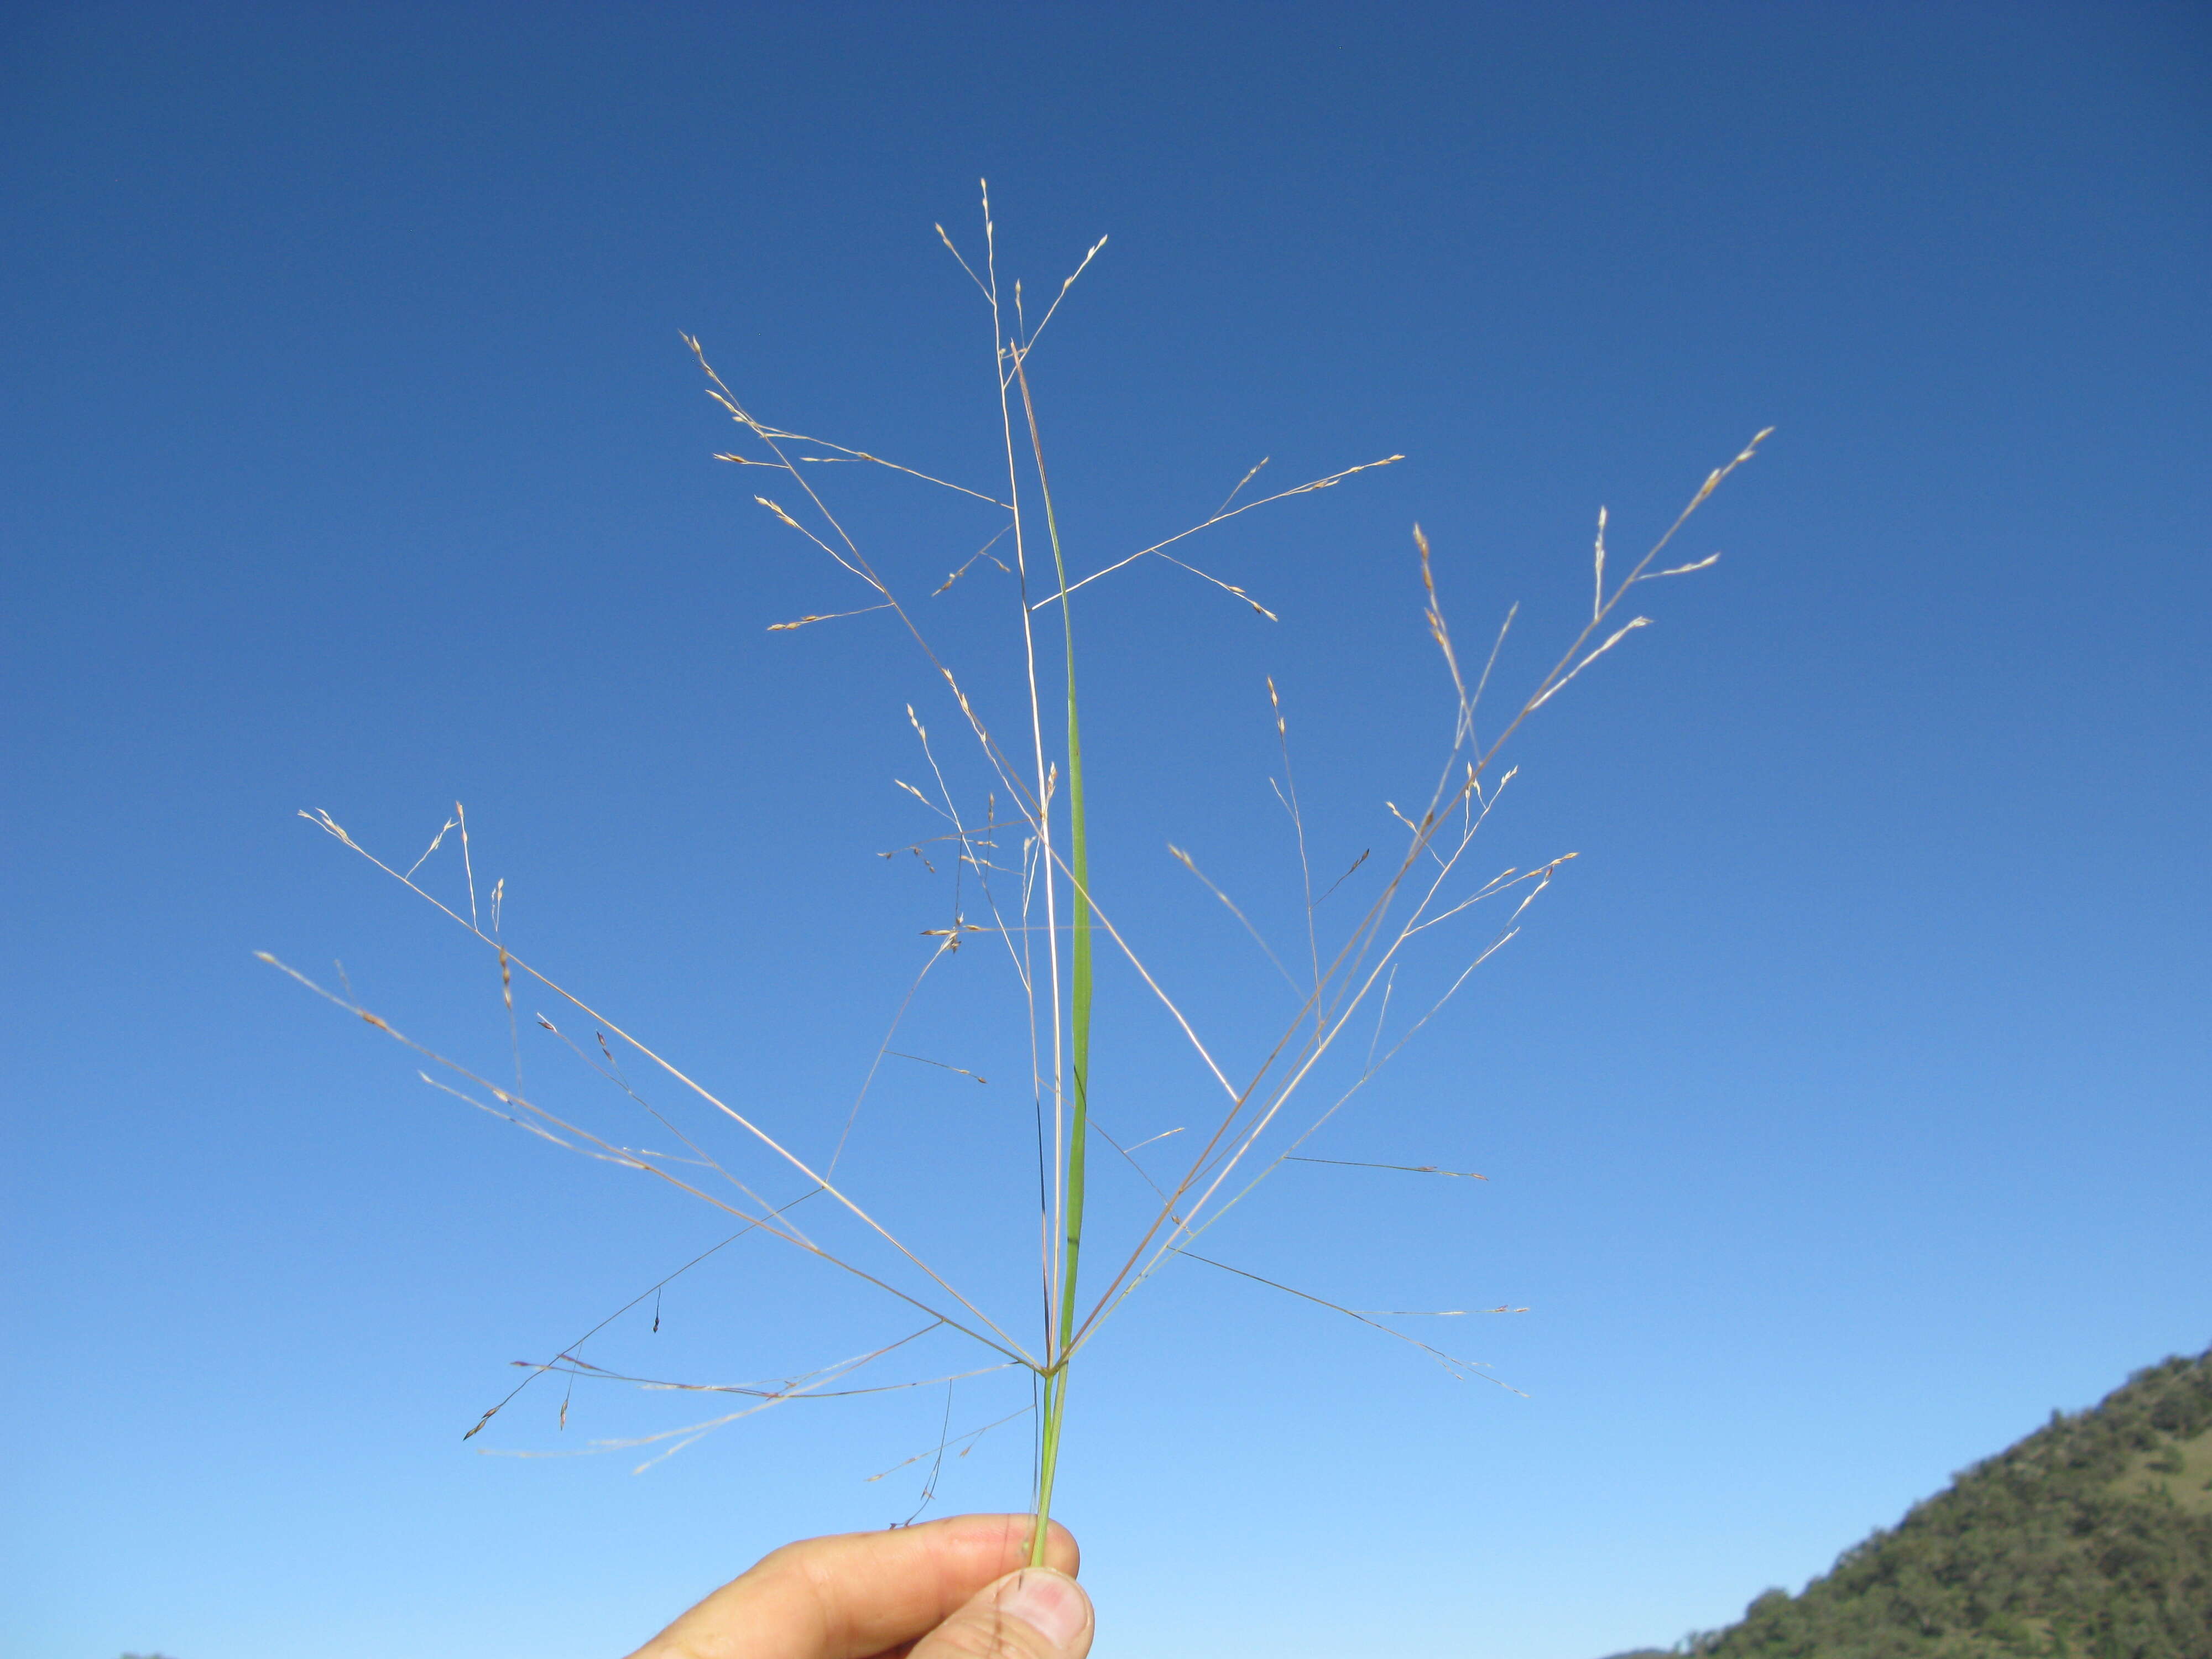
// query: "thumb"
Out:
[1034,1613]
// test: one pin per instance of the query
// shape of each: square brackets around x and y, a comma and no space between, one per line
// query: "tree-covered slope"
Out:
[2091,1539]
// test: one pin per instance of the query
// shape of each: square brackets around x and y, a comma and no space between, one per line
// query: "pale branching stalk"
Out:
[1354,984]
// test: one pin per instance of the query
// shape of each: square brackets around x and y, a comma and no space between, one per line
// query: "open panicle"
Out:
[1385,960]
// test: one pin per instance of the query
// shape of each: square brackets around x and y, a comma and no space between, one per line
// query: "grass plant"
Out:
[1040,910]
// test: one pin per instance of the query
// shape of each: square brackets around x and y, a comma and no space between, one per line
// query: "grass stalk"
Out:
[1225,1161]
[1079,992]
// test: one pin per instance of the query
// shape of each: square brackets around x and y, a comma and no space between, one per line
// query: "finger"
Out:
[857,1594]
[1034,1614]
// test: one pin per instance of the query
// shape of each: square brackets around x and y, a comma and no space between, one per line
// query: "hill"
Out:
[2090,1539]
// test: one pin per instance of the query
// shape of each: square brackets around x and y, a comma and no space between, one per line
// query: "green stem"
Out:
[1079,992]
[1055,1400]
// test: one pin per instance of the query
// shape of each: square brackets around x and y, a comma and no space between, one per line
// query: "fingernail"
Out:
[1050,1601]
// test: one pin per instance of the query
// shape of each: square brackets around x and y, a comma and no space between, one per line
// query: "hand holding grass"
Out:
[945,1590]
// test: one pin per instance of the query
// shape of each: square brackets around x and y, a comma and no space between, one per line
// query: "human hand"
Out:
[947,1589]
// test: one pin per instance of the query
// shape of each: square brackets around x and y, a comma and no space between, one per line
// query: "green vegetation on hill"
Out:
[2090,1539]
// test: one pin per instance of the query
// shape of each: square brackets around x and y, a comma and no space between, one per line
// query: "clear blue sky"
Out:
[1844,1104]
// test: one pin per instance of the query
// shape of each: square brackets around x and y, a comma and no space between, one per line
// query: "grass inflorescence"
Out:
[1038,905]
